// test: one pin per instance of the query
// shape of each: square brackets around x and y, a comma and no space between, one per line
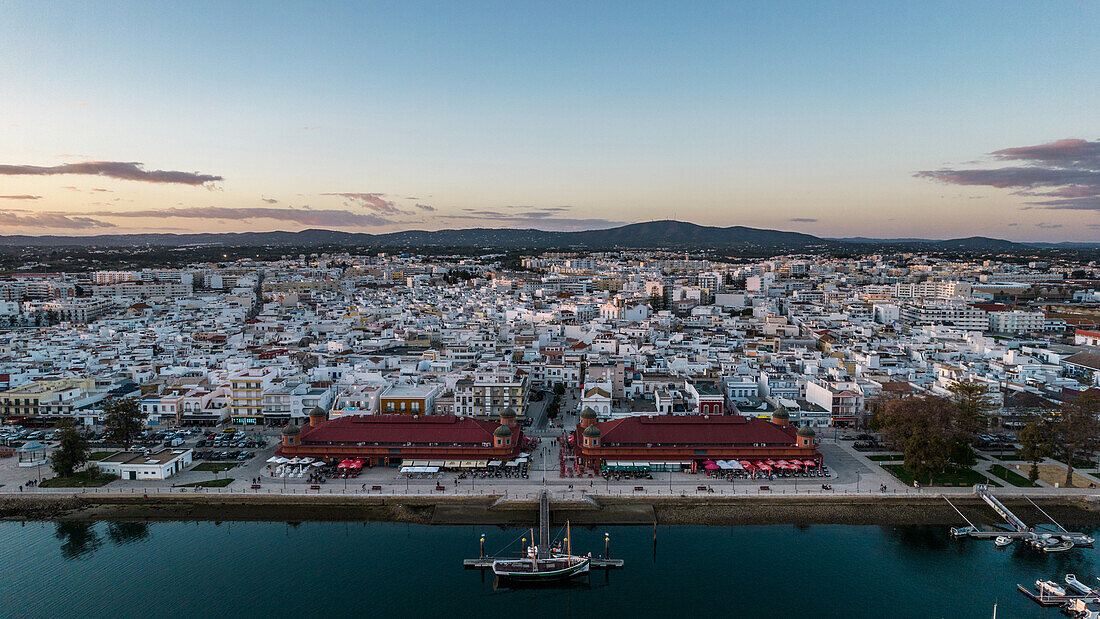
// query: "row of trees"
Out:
[123,421]
[935,433]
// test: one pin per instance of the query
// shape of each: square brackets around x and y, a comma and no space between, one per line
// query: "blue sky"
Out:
[815,117]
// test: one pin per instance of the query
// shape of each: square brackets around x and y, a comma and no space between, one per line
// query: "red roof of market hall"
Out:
[389,437]
[699,430]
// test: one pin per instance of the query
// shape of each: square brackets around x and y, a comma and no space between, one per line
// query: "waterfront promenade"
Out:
[853,474]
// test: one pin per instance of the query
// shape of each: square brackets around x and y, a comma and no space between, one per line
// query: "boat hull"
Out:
[504,571]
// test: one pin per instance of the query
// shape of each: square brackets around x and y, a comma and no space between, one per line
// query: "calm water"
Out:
[258,569]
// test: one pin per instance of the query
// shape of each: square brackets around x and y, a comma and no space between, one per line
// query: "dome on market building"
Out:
[508,413]
[318,412]
[592,431]
[588,413]
[806,432]
[291,430]
[502,431]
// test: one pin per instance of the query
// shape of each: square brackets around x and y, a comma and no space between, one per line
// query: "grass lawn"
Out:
[83,479]
[214,467]
[1010,476]
[886,457]
[950,477]
[96,456]
[212,483]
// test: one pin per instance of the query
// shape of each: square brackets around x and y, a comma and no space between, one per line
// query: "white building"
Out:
[136,465]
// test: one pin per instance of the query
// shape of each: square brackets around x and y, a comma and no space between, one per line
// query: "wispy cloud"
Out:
[1046,226]
[269,200]
[304,216]
[808,220]
[425,207]
[1065,172]
[376,202]
[51,220]
[129,171]
[21,196]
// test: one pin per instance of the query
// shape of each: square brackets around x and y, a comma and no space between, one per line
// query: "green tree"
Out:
[928,431]
[975,402]
[1034,446]
[559,389]
[123,419]
[1077,431]
[925,455]
[71,453]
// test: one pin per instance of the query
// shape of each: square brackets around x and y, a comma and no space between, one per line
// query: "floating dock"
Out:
[1043,599]
[1019,530]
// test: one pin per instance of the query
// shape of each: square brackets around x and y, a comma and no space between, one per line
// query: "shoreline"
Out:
[672,511]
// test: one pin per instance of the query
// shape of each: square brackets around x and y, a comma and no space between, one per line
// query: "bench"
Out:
[315,487]
[639,488]
[255,486]
[701,488]
[765,487]
[379,488]
[440,487]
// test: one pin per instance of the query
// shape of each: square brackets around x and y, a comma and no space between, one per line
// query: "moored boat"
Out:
[553,566]
[1049,587]
[1077,585]
[1085,541]
[1056,546]
[1002,541]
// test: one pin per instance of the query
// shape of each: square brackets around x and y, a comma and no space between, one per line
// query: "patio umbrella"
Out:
[710,467]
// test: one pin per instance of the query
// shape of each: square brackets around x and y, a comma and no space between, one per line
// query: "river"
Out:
[263,569]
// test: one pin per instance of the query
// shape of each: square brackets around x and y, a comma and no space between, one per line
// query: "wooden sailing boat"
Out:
[554,565]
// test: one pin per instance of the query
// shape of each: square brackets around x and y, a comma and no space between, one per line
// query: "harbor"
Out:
[1056,539]
[94,570]
[1075,598]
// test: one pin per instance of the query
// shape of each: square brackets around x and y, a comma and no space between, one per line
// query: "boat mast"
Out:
[534,553]
[568,539]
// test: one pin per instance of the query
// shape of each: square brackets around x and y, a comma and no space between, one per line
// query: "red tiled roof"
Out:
[694,430]
[446,429]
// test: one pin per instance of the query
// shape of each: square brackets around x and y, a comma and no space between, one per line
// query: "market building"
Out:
[391,440]
[678,442]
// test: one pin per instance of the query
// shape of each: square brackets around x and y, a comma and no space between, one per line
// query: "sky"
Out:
[839,119]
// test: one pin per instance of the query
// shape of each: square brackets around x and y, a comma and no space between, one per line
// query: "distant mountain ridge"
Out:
[669,234]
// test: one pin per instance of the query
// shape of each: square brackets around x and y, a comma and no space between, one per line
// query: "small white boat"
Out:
[1002,541]
[1056,546]
[1079,540]
[1049,587]
[962,531]
[1077,585]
